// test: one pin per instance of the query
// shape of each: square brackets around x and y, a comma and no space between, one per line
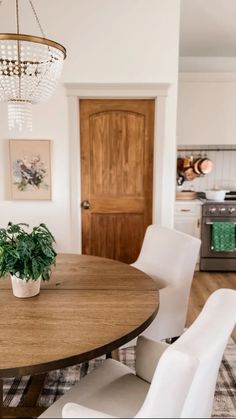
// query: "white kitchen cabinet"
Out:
[188,218]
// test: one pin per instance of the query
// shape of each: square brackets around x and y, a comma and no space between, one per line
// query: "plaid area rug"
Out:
[59,381]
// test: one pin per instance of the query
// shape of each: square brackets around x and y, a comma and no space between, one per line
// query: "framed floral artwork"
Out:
[30,165]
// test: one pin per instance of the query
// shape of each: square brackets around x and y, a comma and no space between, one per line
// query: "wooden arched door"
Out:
[117,176]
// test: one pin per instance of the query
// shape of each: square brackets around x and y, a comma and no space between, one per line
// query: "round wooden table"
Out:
[90,306]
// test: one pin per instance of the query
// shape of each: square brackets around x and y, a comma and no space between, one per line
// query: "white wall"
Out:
[206,108]
[49,122]
[108,41]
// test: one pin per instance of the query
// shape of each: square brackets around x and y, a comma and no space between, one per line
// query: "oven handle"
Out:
[211,222]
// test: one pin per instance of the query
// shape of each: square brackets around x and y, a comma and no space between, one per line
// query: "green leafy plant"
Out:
[27,255]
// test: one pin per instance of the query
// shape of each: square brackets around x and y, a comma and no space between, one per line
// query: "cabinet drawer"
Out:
[185,209]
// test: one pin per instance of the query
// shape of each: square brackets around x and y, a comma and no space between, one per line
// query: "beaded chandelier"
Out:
[30,67]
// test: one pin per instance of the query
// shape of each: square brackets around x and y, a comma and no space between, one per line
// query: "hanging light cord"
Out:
[37,19]
[18,45]
[18,31]
[35,15]
[17,18]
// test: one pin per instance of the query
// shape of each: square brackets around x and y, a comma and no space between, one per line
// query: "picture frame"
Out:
[30,169]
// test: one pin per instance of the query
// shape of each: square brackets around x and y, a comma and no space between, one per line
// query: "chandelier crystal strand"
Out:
[19,115]
[30,67]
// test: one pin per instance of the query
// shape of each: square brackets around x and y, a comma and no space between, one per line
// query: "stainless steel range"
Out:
[211,212]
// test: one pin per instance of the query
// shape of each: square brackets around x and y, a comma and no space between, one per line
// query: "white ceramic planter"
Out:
[23,289]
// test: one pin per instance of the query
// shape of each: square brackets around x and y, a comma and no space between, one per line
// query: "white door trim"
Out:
[77,91]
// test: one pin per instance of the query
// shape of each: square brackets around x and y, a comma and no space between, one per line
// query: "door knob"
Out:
[85,204]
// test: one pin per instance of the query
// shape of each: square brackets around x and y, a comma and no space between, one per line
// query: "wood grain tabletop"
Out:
[89,307]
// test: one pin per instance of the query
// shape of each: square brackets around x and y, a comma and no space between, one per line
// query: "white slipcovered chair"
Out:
[171,381]
[169,257]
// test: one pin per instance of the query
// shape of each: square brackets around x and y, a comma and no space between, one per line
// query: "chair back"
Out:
[169,257]
[168,254]
[184,382]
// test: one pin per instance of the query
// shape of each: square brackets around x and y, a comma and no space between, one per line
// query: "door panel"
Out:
[112,227]
[116,172]
[116,160]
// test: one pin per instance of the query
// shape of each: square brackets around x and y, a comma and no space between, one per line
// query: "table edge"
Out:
[77,359]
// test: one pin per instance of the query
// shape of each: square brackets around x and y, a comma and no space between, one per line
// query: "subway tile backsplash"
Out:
[223,174]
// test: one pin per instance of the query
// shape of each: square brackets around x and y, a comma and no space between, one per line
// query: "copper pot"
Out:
[205,166]
[202,166]
[196,166]
[180,164]
[189,174]
[187,162]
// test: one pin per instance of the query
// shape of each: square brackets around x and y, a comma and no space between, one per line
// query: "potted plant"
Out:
[27,256]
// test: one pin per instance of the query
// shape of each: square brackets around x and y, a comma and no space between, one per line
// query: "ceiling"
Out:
[208,28]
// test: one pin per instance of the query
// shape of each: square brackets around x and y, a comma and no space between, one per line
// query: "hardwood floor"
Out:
[204,283]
